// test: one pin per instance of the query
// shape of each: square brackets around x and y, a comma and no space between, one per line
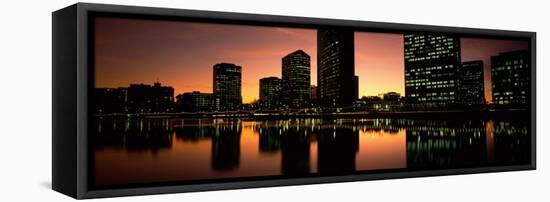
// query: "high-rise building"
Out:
[431,67]
[510,75]
[144,98]
[471,90]
[295,80]
[336,67]
[194,102]
[226,147]
[313,98]
[110,100]
[356,90]
[270,92]
[227,87]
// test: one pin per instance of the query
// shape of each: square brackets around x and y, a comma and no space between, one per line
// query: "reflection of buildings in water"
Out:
[430,144]
[292,137]
[134,134]
[269,139]
[490,141]
[193,133]
[110,132]
[390,131]
[295,145]
[429,148]
[511,142]
[226,147]
[467,144]
[336,150]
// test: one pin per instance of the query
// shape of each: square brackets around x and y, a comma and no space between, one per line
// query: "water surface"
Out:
[134,151]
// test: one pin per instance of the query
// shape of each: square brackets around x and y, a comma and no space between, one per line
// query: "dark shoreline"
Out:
[497,114]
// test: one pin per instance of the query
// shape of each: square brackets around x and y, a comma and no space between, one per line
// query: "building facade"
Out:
[510,76]
[336,67]
[110,100]
[296,72]
[194,102]
[391,97]
[356,88]
[142,98]
[431,69]
[313,98]
[227,87]
[471,90]
[270,93]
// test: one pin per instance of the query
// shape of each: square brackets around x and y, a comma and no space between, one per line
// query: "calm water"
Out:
[129,151]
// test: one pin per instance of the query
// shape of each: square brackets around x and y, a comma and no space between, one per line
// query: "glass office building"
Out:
[336,79]
[431,68]
[471,90]
[227,87]
[270,92]
[296,72]
[510,74]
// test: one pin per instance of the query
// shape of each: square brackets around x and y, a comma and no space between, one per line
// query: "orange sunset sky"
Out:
[182,54]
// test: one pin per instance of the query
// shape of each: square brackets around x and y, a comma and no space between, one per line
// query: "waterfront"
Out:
[149,150]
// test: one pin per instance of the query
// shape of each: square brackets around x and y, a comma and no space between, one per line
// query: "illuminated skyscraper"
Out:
[510,73]
[270,92]
[336,67]
[227,86]
[431,69]
[296,79]
[471,90]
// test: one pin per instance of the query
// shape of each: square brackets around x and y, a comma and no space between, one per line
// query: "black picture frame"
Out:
[73,80]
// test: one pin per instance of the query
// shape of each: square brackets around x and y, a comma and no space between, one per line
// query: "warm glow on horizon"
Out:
[182,55]
[379,63]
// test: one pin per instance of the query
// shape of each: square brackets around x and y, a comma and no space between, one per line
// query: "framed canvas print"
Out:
[154,100]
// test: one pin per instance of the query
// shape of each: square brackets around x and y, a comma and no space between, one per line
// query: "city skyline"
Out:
[148,57]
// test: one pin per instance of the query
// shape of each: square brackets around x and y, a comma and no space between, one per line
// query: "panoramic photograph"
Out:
[188,102]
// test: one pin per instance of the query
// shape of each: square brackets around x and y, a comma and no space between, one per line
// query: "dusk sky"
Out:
[182,54]
[483,49]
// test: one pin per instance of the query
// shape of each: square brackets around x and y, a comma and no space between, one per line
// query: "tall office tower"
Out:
[227,87]
[295,80]
[356,90]
[471,90]
[336,67]
[431,69]
[270,92]
[510,75]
